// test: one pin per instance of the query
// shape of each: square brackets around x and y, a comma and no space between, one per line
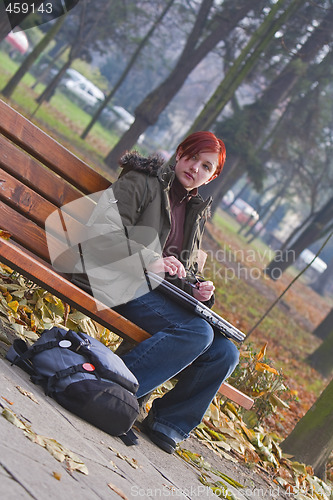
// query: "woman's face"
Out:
[198,170]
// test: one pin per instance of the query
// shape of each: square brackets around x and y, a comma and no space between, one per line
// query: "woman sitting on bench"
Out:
[152,194]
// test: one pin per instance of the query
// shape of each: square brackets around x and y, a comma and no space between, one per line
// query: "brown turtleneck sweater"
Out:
[178,197]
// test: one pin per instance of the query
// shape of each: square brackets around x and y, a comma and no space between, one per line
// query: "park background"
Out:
[258,74]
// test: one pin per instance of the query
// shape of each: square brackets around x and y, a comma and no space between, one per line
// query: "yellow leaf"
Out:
[299,468]
[4,234]
[249,433]
[13,305]
[262,352]
[56,475]
[261,367]
[12,418]
[79,466]
[230,406]
[7,269]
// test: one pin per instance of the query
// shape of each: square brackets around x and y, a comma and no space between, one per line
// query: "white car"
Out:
[243,212]
[82,90]
[118,118]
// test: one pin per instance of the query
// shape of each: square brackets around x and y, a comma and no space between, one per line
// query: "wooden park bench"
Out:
[38,175]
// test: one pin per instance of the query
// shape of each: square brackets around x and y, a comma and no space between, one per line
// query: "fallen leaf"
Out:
[262,367]
[118,491]
[56,475]
[13,419]
[79,466]
[7,400]
[13,305]
[4,234]
[27,393]
[4,338]
[57,450]
[131,461]
[262,352]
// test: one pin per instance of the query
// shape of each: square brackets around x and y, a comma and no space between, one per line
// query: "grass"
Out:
[243,301]
[62,118]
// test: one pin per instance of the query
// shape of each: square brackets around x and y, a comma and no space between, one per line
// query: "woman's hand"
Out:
[169,265]
[204,291]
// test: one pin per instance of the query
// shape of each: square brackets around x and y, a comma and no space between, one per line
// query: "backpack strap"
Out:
[15,354]
[130,439]
[20,353]
[71,370]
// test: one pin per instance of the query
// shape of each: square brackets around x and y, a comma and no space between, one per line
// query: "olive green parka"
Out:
[141,197]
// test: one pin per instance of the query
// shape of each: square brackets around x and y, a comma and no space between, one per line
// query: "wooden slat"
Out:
[34,207]
[35,175]
[51,153]
[47,278]
[25,232]
[235,395]
[23,199]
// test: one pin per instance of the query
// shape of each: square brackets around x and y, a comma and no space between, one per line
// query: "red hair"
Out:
[203,141]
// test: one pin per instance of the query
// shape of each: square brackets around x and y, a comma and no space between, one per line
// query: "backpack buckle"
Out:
[82,343]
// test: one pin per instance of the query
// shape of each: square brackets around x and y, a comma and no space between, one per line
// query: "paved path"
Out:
[29,471]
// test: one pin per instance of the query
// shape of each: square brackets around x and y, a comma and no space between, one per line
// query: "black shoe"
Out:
[161,440]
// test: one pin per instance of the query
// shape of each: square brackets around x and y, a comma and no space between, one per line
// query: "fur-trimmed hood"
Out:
[147,165]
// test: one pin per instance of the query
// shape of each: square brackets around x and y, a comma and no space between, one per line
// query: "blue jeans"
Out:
[181,344]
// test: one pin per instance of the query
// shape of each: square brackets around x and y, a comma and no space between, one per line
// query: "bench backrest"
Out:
[37,176]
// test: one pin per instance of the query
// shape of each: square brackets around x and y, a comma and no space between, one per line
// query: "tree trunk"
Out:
[295,231]
[325,327]
[49,90]
[32,57]
[322,358]
[243,64]
[9,20]
[128,68]
[41,77]
[151,107]
[255,117]
[311,234]
[311,441]
[253,233]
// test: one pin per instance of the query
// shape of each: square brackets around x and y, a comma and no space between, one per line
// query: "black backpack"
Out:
[82,375]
